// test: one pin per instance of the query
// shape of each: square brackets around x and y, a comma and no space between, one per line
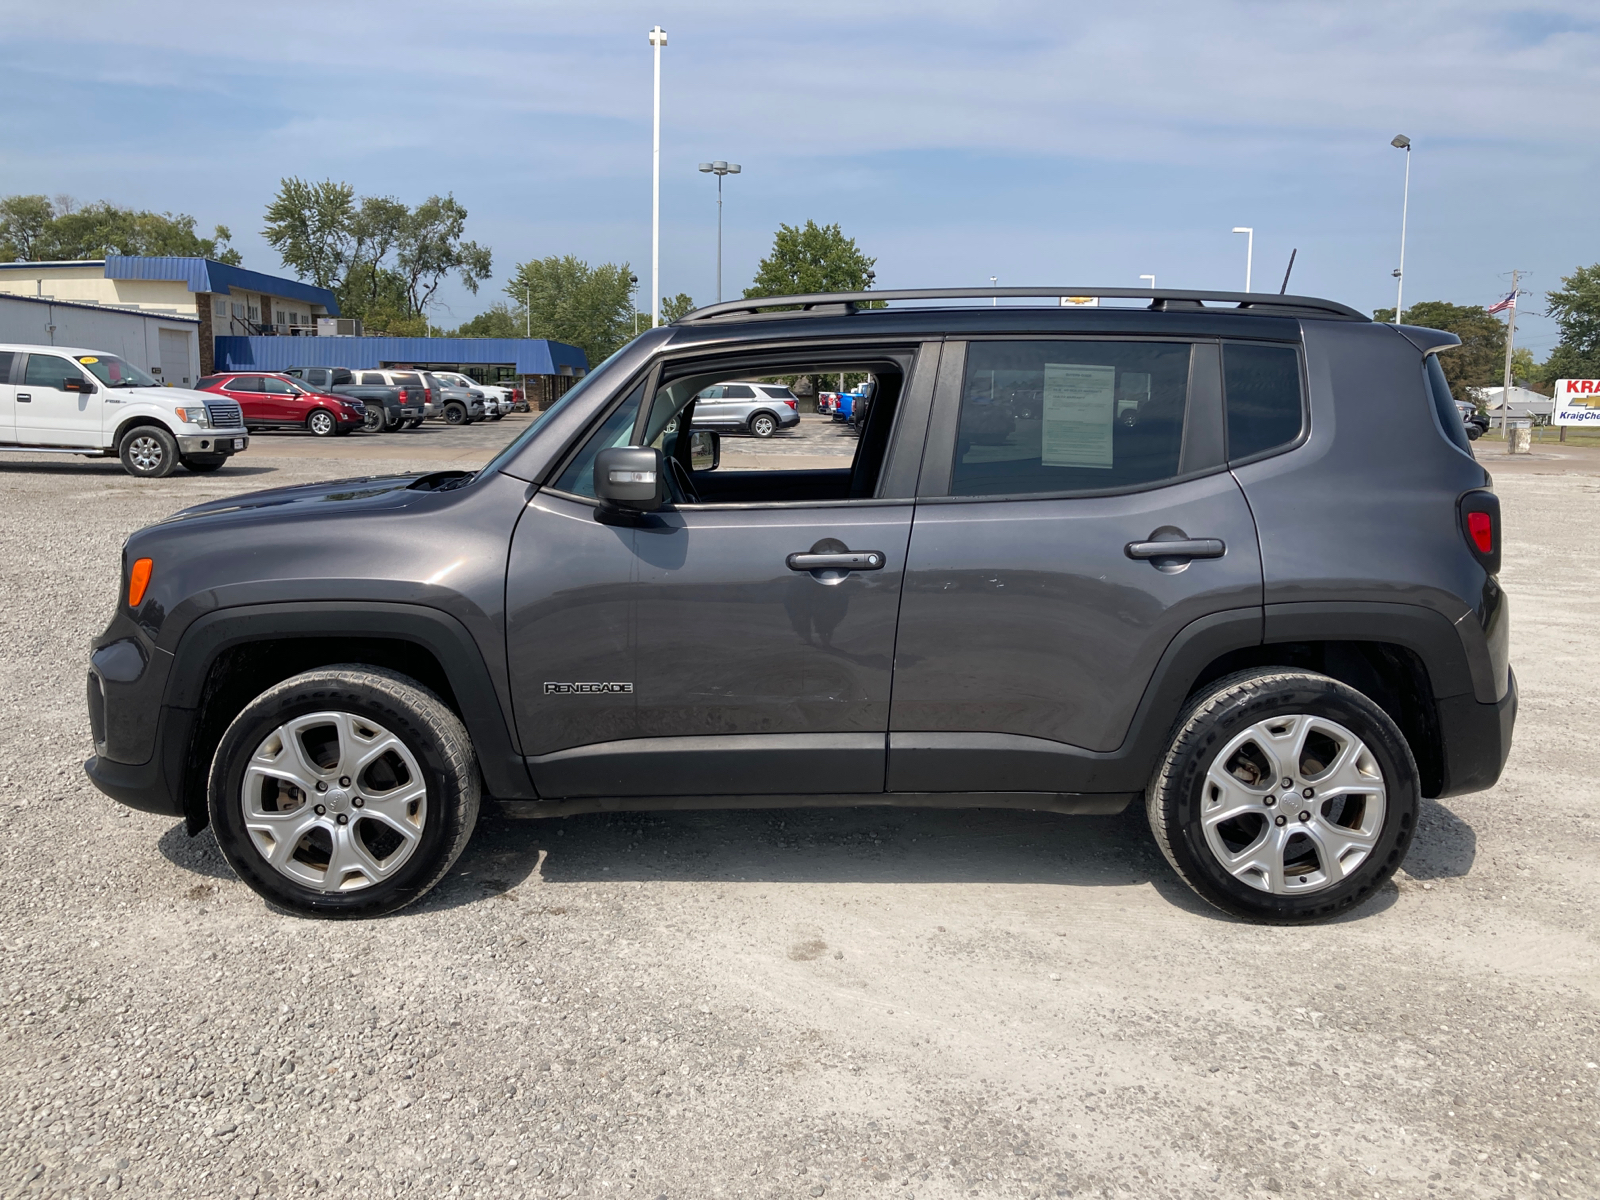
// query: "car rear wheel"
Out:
[414,423]
[148,452]
[322,423]
[375,419]
[455,413]
[346,791]
[763,425]
[1285,796]
[201,463]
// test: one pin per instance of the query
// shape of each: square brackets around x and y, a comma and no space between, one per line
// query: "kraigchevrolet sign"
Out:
[1577,402]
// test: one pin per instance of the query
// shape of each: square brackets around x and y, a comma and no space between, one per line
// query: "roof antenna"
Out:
[1285,286]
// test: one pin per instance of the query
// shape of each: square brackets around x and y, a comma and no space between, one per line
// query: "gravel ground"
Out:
[785,1004]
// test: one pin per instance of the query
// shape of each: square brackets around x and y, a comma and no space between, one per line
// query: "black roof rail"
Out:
[834,304]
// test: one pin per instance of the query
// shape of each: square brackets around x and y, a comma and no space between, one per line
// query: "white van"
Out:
[59,400]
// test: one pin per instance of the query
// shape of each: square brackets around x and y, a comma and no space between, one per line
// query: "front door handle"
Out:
[24,397]
[1181,548]
[865,560]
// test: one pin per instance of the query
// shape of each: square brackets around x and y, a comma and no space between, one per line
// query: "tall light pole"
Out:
[633,290]
[719,169]
[1152,280]
[658,39]
[1249,250]
[1402,142]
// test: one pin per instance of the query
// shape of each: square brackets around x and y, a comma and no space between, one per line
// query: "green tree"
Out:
[308,224]
[1576,307]
[591,308]
[383,260]
[36,228]
[674,307]
[430,246]
[498,322]
[24,222]
[1480,360]
[813,258]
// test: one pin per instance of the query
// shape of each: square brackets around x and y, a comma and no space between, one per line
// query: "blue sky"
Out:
[1044,143]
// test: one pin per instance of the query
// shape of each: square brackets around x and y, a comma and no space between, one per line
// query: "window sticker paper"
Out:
[1079,411]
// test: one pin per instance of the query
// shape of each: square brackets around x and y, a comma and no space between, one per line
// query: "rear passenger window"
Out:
[245,383]
[1069,416]
[1450,419]
[1262,385]
[372,379]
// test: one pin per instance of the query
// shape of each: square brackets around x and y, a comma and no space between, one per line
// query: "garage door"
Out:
[176,368]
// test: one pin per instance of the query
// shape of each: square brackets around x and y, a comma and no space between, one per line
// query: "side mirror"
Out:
[76,383]
[705,450]
[630,479]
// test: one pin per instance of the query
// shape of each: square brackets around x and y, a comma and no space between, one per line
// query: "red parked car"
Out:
[271,401]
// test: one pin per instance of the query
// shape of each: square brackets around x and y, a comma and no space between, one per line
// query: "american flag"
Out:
[1509,302]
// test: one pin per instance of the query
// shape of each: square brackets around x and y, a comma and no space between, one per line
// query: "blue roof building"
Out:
[252,320]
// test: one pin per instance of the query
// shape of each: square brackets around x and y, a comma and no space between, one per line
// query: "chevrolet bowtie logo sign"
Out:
[586,689]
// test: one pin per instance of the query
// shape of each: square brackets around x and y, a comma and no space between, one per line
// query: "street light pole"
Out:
[719,169]
[994,281]
[527,307]
[1402,142]
[658,39]
[633,290]
[1249,250]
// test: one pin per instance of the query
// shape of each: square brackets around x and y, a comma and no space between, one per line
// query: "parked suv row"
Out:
[331,402]
[1081,558]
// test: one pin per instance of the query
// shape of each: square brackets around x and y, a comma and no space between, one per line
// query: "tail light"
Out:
[1480,525]
[427,395]
[791,404]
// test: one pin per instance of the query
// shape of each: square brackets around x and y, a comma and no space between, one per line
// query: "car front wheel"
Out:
[455,414]
[1285,796]
[148,452]
[322,423]
[346,791]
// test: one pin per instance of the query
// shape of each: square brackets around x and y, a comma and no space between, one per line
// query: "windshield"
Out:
[115,372]
[539,419]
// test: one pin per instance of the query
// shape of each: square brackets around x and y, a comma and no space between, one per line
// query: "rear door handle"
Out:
[864,560]
[24,397]
[1184,548]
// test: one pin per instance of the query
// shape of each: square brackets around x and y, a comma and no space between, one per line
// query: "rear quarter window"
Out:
[1444,406]
[1264,395]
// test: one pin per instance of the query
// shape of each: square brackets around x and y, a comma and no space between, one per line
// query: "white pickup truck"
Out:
[59,400]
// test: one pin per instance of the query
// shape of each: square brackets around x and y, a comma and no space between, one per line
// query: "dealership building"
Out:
[246,320]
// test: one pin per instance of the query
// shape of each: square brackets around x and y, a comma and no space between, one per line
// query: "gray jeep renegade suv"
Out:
[1227,553]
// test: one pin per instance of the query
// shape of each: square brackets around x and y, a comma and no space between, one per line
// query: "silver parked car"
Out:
[758,408]
[496,400]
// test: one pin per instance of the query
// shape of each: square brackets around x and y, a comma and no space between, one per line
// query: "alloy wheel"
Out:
[146,453]
[1292,805]
[334,801]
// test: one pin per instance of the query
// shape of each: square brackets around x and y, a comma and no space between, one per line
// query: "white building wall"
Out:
[130,335]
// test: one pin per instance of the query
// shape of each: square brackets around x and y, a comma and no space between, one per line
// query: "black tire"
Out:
[148,452]
[1473,433]
[432,734]
[374,422]
[414,422]
[1179,790]
[763,425]
[321,423]
[202,463]
[455,413]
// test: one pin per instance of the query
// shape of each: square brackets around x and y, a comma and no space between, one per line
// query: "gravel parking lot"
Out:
[873,1002]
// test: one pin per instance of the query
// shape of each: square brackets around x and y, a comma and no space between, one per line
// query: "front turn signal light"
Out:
[138,581]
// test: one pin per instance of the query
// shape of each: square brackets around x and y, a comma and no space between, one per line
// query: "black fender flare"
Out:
[439,633]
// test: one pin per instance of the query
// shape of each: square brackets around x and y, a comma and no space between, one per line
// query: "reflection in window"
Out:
[1068,416]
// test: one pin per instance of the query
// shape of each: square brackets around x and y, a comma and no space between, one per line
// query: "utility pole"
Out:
[1511,337]
[658,39]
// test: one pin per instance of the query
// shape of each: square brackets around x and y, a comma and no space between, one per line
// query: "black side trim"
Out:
[1452,671]
[155,786]
[728,764]
[437,632]
[1056,802]
[1477,740]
